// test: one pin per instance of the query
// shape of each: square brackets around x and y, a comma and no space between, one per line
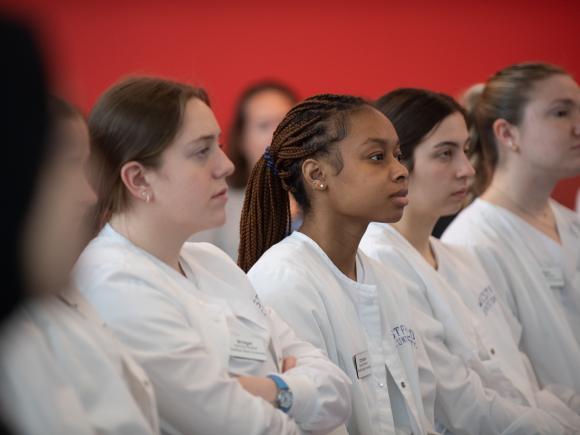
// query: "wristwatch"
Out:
[285,398]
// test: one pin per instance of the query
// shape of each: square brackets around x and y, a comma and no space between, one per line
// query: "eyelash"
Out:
[445,154]
[561,113]
[203,152]
[381,155]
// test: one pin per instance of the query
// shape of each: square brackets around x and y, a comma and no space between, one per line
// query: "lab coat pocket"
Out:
[496,379]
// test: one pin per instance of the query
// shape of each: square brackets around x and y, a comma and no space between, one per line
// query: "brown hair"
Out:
[135,120]
[235,147]
[308,130]
[505,96]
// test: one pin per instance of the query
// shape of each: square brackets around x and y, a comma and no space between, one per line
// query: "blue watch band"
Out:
[285,397]
[280,383]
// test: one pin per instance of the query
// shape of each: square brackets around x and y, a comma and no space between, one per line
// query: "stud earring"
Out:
[322,185]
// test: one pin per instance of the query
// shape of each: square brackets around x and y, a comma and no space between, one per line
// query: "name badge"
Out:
[248,347]
[362,364]
[554,276]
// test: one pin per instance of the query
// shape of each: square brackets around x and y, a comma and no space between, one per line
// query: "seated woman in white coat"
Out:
[220,361]
[61,371]
[465,326]
[338,157]
[528,138]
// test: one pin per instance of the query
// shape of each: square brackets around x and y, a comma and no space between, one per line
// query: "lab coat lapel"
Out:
[242,298]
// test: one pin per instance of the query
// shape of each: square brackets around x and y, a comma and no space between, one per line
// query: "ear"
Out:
[134,179]
[313,173]
[506,134]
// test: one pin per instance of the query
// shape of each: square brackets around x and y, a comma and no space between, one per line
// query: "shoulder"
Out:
[569,216]
[291,257]
[287,271]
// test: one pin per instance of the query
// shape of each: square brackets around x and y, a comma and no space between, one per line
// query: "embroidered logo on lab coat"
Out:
[403,335]
[486,299]
[258,303]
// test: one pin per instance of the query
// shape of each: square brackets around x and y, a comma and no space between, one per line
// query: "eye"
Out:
[445,155]
[378,157]
[561,113]
[203,152]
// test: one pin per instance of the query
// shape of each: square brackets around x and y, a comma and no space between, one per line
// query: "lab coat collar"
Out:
[203,283]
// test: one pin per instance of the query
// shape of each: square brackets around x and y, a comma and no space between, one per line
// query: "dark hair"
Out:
[235,146]
[135,120]
[308,130]
[414,113]
[505,96]
[23,121]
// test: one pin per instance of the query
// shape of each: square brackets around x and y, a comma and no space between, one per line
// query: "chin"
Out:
[391,218]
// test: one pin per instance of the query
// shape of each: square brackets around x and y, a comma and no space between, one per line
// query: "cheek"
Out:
[424,184]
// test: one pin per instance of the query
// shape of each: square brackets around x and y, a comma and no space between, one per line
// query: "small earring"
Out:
[322,185]
[148,197]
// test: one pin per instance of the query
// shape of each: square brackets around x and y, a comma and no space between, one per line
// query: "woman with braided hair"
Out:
[219,360]
[339,157]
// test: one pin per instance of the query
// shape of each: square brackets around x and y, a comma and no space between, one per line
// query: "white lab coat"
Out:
[540,281]
[345,318]
[185,332]
[474,356]
[62,372]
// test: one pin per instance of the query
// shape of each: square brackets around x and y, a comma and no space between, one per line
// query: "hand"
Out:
[260,387]
[288,363]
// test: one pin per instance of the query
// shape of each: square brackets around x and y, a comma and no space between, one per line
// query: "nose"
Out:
[224,166]
[577,124]
[400,172]
[465,168]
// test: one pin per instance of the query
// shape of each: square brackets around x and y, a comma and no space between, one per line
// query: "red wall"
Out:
[361,47]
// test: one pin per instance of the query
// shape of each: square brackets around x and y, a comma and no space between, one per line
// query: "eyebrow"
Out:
[204,138]
[451,143]
[566,101]
[379,141]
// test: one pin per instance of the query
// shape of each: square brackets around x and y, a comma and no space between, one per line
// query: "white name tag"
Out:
[362,364]
[554,276]
[248,347]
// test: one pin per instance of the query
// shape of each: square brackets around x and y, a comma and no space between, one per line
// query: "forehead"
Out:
[198,120]
[452,127]
[72,133]
[369,122]
[265,102]
[554,88]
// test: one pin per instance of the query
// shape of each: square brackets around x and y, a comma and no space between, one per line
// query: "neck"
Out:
[417,227]
[144,232]
[338,237]
[522,188]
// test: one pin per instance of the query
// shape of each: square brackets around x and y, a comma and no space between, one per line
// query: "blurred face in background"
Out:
[57,230]
[264,111]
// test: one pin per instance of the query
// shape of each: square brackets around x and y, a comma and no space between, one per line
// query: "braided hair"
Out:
[308,130]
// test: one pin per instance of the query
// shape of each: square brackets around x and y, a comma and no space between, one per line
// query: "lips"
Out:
[461,192]
[400,194]
[221,193]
